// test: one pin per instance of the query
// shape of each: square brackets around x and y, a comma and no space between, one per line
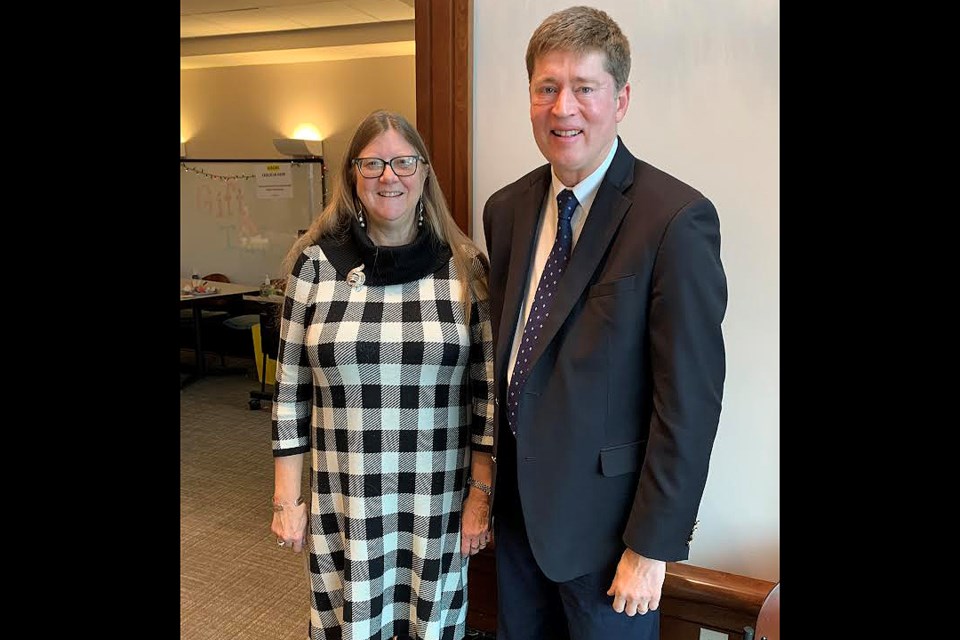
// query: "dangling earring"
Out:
[363,224]
[420,211]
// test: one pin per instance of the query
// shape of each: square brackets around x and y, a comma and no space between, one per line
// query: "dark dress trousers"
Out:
[618,417]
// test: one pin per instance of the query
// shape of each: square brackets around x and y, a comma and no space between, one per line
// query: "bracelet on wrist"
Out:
[482,486]
[278,506]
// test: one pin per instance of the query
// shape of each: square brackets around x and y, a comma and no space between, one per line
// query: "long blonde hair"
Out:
[335,217]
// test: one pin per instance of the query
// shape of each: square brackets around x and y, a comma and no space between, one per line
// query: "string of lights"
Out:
[225,178]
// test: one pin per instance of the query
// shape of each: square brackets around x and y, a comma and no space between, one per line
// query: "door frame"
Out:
[444,94]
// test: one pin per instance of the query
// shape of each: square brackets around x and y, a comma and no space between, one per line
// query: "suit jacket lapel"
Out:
[606,213]
[525,215]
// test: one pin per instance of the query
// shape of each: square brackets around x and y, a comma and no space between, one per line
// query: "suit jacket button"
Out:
[690,539]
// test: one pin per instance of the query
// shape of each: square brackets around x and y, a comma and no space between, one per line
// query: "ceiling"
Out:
[217,33]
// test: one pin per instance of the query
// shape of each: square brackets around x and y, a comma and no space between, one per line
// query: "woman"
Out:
[385,376]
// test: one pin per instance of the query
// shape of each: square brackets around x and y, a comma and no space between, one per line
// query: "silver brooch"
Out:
[356,278]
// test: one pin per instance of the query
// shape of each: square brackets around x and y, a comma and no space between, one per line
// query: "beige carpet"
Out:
[235,583]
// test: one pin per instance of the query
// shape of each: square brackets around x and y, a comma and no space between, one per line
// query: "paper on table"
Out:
[193,293]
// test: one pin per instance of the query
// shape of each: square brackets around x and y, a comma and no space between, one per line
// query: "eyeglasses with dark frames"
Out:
[402,166]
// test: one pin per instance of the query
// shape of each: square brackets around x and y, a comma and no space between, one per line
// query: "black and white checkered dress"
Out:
[391,390]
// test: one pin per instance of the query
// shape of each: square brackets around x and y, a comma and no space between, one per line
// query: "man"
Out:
[607,294]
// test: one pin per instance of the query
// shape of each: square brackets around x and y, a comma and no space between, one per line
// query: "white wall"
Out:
[704,107]
[236,112]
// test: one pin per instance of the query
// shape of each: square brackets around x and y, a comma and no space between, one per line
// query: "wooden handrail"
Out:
[694,598]
[709,586]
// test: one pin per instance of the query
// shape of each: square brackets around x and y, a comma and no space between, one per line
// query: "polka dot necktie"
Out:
[546,290]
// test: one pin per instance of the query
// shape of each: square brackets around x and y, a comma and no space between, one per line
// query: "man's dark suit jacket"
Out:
[618,417]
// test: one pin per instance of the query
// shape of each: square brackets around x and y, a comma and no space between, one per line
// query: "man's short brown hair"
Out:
[582,29]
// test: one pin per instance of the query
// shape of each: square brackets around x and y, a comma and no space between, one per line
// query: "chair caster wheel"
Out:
[254,405]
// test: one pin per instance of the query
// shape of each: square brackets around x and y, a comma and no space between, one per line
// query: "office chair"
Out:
[269,348]
[247,321]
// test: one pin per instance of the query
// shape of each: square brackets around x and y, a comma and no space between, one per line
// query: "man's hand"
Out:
[636,587]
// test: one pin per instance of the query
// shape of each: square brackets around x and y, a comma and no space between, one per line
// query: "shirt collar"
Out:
[586,189]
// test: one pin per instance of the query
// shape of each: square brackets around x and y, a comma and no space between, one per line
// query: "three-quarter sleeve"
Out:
[294,388]
[481,361]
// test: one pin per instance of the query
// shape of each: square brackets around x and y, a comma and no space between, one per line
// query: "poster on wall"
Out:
[274,180]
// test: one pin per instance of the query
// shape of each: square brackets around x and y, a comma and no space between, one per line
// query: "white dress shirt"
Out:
[586,191]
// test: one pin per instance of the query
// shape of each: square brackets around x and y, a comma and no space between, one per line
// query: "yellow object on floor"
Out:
[258,356]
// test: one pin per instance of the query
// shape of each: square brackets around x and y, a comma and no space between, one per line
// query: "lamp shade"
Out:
[299,148]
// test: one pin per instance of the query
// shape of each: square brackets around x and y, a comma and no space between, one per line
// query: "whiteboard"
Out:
[238,220]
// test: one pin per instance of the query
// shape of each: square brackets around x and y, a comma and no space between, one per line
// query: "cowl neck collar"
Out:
[350,249]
